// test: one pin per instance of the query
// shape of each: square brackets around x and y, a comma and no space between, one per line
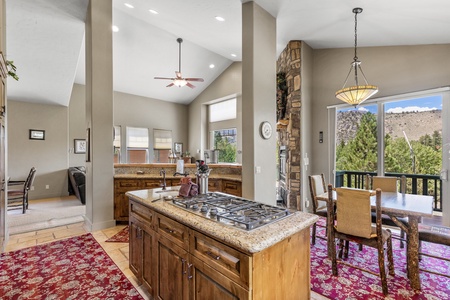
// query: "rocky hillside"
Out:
[415,124]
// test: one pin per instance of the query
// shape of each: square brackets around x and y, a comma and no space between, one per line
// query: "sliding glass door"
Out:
[395,136]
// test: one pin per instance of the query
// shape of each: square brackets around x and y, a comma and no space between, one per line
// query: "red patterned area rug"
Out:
[352,283]
[75,268]
[122,236]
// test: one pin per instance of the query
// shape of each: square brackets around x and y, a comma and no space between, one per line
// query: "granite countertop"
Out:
[169,176]
[252,241]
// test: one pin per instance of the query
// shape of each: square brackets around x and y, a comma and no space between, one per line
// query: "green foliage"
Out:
[227,151]
[12,69]
[360,154]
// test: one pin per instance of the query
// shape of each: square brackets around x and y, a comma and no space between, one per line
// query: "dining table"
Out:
[399,205]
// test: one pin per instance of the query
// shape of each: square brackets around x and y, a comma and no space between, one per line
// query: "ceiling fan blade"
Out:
[165,78]
[190,85]
[194,79]
[172,84]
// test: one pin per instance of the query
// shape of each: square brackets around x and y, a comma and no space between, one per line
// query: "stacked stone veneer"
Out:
[289,63]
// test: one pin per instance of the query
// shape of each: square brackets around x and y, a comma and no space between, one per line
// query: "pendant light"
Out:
[357,93]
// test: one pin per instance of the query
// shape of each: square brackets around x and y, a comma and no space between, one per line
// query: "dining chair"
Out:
[353,222]
[389,184]
[18,191]
[317,186]
[435,237]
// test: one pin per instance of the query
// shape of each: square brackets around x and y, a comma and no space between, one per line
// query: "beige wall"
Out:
[136,111]
[306,75]
[77,123]
[228,84]
[49,157]
[396,70]
[62,125]
[130,110]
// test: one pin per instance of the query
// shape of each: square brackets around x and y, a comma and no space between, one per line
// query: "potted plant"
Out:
[12,69]
[187,157]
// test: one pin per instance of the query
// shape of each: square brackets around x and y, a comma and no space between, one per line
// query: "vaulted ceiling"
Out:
[45,39]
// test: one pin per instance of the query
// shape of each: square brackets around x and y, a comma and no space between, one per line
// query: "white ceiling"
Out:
[45,39]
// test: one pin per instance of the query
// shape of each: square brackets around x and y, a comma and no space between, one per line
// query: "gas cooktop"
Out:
[230,210]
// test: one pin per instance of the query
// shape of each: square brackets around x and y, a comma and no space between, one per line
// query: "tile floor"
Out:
[117,251]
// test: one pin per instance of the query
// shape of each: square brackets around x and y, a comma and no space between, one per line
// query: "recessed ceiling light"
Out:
[115,28]
[129,5]
[211,66]
[153,11]
[232,54]
[219,18]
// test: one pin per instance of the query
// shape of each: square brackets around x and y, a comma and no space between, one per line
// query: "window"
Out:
[116,143]
[221,111]
[162,145]
[137,145]
[225,141]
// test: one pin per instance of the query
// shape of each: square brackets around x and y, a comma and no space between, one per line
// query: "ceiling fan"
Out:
[179,81]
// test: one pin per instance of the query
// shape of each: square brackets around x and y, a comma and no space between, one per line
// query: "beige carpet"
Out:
[46,213]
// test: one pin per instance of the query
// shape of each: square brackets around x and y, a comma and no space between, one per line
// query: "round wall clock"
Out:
[265,130]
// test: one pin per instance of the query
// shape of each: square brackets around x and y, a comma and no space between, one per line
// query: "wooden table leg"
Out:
[413,252]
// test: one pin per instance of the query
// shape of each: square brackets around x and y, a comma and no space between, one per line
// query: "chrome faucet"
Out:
[181,174]
[163,174]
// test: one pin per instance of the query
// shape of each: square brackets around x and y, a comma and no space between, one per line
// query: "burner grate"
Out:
[231,210]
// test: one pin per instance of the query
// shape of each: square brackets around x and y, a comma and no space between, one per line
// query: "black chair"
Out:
[353,222]
[18,192]
[435,237]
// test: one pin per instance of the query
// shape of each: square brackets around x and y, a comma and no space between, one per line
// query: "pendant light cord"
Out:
[356,37]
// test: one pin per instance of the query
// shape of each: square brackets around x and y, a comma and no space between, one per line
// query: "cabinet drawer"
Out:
[142,214]
[214,185]
[226,260]
[172,230]
[150,184]
[232,187]
[128,183]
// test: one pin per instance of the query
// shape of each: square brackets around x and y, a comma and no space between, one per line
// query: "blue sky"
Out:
[417,104]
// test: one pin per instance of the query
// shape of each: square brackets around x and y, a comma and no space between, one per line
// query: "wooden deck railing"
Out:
[418,184]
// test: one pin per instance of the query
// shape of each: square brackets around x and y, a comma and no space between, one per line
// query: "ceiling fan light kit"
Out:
[179,81]
[356,94]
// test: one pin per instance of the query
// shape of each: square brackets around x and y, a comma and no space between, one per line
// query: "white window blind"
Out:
[162,139]
[221,111]
[137,137]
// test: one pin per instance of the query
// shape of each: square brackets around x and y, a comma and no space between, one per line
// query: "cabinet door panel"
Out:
[172,280]
[207,283]
[135,255]
[148,262]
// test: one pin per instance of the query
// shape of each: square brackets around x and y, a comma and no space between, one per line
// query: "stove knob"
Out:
[213,211]
[195,207]
[204,208]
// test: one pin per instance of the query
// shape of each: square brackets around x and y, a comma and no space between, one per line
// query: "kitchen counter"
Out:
[170,176]
[250,242]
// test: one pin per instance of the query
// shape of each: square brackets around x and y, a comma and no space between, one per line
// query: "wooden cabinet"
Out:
[214,185]
[171,274]
[143,239]
[232,187]
[188,264]
[206,283]
[185,263]
[123,185]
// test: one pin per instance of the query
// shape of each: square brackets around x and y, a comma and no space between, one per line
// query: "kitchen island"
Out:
[177,254]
